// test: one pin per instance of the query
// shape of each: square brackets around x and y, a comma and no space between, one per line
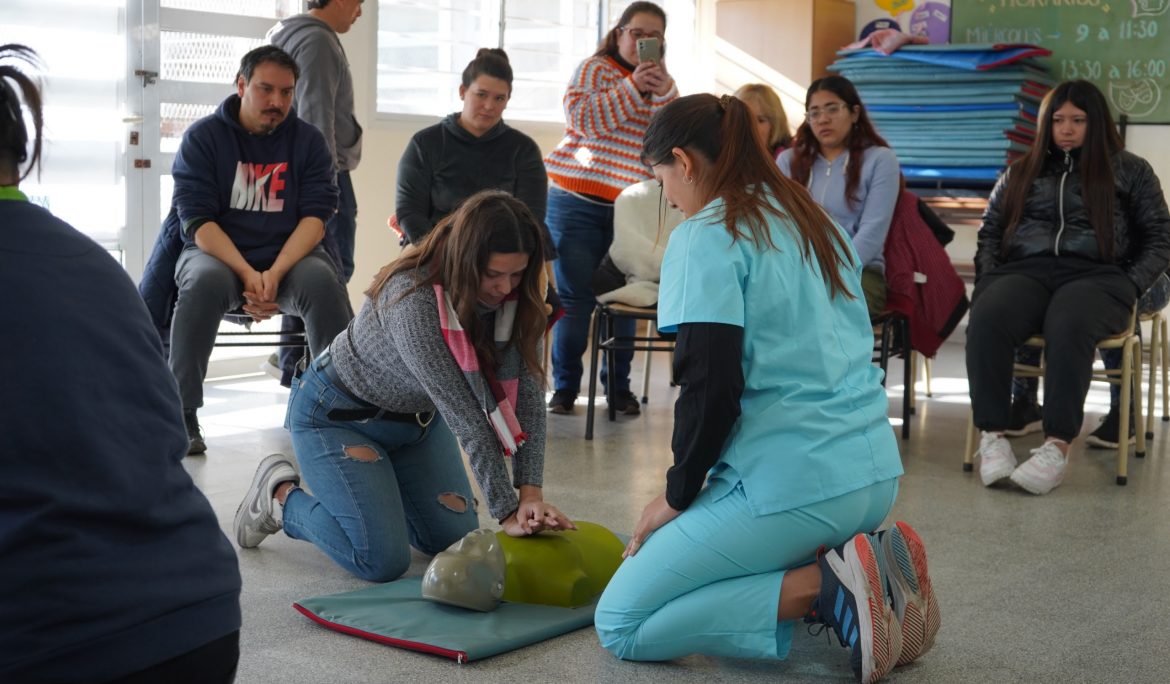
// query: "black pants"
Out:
[212,663]
[1074,304]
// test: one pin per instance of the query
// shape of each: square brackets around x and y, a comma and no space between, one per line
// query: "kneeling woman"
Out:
[780,403]
[446,345]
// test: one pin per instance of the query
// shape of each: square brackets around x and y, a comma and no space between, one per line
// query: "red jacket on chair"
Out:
[921,281]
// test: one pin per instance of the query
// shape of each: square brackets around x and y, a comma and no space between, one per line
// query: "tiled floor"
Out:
[1071,587]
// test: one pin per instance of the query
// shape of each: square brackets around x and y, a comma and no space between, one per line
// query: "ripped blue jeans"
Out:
[378,486]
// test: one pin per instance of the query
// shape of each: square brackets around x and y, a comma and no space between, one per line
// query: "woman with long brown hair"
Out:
[446,346]
[851,171]
[781,442]
[1074,232]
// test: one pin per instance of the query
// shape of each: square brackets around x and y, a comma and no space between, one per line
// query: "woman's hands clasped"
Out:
[535,515]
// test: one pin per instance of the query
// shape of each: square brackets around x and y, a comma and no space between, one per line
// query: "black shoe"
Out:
[1025,417]
[1106,434]
[562,402]
[195,444]
[626,403]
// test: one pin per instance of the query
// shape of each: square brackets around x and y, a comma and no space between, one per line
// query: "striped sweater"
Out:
[606,118]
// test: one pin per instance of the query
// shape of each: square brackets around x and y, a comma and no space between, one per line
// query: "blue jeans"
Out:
[341,228]
[709,581]
[582,232]
[366,514]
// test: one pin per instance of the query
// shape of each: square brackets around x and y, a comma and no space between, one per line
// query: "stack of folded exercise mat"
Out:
[952,113]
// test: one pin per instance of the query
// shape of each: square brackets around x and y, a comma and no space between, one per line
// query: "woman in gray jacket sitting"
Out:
[469,151]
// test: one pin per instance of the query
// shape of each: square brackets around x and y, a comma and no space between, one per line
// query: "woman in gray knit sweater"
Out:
[446,347]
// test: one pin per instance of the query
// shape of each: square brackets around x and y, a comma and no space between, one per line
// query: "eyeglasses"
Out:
[639,34]
[831,111]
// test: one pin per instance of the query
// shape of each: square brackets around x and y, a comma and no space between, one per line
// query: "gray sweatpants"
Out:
[208,289]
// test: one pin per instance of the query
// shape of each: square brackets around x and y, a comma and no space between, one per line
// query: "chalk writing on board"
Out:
[1121,45]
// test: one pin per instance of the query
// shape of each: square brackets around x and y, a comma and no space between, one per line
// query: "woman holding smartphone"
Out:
[608,106]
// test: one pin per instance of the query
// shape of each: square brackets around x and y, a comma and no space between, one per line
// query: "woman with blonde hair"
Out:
[768,115]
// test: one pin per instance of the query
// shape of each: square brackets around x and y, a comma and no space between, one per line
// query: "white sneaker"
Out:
[258,515]
[1042,472]
[996,460]
[271,366]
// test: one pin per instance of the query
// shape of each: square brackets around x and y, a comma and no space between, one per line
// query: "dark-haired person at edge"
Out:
[469,151]
[446,345]
[324,98]
[784,462]
[1074,232]
[608,105]
[851,171]
[112,565]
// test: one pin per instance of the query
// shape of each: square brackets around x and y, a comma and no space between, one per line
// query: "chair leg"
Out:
[650,332]
[1155,346]
[926,368]
[1138,416]
[610,362]
[907,379]
[884,353]
[912,361]
[1123,431]
[969,450]
[594,370]
[1164,359]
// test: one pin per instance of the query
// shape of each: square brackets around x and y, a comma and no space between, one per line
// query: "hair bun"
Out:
[492,52]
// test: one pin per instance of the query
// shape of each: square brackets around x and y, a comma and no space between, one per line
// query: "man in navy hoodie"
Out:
[253,190]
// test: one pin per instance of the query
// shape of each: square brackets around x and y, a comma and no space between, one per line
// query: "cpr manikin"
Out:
[567,569]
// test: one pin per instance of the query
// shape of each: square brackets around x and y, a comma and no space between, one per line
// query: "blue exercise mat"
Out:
[396,614]
[968,56]
[981,174]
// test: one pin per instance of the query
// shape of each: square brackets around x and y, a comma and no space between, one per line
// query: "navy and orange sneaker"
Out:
[902,558]
[853,604]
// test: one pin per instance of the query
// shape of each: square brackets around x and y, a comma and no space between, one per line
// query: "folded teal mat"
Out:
[396,614]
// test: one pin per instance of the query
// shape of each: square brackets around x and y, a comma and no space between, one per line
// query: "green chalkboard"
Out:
[1123,46]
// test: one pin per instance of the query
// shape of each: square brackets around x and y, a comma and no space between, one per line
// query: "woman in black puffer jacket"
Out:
[1074,232]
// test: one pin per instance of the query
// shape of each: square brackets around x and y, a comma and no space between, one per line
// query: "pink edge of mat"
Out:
[457,656]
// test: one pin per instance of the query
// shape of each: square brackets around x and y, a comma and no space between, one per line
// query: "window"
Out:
[423,46]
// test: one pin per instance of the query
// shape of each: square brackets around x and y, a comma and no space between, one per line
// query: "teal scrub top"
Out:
[813,420]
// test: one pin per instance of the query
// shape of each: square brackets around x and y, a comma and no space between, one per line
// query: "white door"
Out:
[123,80]
[84,178]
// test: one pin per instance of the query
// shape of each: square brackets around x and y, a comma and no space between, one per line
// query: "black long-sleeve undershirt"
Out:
[709,372]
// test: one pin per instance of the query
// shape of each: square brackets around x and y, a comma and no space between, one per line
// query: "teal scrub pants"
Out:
[708,582]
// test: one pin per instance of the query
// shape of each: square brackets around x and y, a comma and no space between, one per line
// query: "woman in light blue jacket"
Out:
[851,172]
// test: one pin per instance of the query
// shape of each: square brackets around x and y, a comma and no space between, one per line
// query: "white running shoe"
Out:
[257,517]
[996,460]
[1042,472]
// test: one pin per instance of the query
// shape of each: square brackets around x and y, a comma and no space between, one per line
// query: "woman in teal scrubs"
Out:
[782,448]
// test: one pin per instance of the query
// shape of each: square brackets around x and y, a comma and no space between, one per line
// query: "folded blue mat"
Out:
[396,614]
[968,56]
[983,175]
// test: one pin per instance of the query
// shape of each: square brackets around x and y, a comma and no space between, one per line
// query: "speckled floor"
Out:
[1070,587]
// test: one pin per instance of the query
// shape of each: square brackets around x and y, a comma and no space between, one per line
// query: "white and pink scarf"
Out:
[498,403]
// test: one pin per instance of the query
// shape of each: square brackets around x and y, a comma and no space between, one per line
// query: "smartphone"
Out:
[649,50]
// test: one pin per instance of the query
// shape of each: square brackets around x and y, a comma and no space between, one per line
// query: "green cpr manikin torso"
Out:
[567,569]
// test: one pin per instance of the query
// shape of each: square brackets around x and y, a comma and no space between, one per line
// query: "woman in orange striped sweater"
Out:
[608,106]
